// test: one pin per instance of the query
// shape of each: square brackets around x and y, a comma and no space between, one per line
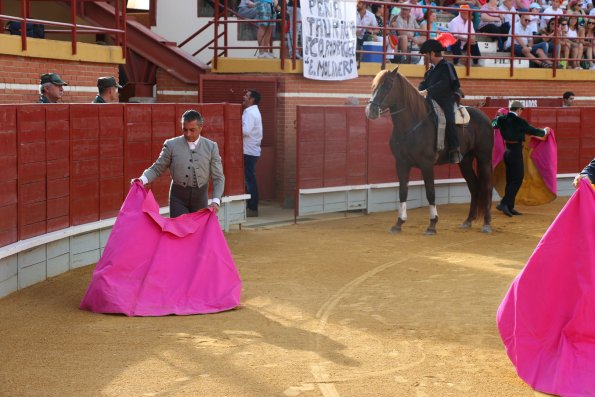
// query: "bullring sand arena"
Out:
[331,307]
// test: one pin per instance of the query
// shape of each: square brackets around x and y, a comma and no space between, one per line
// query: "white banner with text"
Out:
[329,41]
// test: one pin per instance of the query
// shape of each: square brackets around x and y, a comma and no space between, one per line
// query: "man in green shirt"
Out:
[108,90]
[513,129]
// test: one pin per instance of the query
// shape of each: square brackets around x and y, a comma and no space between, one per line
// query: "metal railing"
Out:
[223,17]
[72,28]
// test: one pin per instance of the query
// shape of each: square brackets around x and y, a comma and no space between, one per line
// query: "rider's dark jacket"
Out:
[442,82]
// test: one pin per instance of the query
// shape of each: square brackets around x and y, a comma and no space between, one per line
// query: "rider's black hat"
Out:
[431,46]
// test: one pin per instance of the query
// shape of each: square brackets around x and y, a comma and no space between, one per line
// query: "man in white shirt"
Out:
[252,134]
[403,23]
[366,22]
[460,27]
[552,9]
[507,5]
[524,47]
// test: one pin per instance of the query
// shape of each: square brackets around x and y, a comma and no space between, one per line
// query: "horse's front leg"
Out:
[403,174]
[428,175]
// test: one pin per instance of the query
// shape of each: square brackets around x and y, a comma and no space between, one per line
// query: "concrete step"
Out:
[502,63]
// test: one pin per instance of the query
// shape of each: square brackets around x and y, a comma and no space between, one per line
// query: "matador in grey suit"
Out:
[192,160]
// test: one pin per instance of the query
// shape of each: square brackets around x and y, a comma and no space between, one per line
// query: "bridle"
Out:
[382,92]
[380,96]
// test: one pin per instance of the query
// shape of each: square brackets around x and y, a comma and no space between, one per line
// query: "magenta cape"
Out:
[547,318]
[154,266]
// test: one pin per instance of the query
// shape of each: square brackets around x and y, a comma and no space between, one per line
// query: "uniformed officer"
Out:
[108,90]
[440,83]
[51,88]
[513,129]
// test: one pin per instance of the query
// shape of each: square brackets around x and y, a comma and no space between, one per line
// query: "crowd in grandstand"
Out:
[543,30]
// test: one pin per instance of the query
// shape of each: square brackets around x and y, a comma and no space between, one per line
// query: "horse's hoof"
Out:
[430,232]
[395,230]
[486,229]
[465,225]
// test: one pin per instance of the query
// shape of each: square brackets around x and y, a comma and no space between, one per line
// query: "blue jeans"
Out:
[518,50]
[250,181]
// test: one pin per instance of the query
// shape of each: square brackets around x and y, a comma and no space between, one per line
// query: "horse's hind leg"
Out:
[466,167]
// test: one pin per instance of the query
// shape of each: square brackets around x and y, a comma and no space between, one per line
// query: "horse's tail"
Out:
[484,139]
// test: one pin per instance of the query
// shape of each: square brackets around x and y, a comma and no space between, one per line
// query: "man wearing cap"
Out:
[440,84]
[51,88]
[108,90]
[513,129]
[192,160]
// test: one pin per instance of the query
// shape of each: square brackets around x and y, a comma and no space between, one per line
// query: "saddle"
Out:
[462,118]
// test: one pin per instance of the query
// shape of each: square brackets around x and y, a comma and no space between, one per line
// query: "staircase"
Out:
[146,51]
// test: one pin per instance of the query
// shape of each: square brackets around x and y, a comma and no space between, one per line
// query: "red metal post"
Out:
[73,14]
[225,43]
[123,27]
[24,24]
[216,35]
[117,17]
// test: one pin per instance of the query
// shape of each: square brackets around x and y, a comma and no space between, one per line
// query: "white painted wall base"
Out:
[385,197]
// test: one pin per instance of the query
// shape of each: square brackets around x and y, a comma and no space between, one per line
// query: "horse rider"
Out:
[441,83]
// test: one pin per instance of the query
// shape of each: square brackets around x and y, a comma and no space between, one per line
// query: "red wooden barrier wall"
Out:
[64,165]
[338,146]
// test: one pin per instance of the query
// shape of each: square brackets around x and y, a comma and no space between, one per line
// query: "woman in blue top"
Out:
[264,11]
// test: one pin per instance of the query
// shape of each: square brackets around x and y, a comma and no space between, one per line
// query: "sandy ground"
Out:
[330,308]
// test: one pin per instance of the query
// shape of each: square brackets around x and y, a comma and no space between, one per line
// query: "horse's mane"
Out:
[378,79]
[409,93]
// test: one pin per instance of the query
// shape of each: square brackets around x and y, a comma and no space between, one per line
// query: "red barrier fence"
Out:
[65,165]
[338,146]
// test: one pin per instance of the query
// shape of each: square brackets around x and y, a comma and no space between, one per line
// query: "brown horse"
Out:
[413,143]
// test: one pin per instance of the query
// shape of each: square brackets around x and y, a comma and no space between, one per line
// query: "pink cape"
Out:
[547,318]
[154,266]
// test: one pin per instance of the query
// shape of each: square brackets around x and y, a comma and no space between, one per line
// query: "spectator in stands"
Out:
[546,35]
[573,8]
[535,23]
[462,29]
[378,11]
[472,4]
[554,8]
[512,18]
[107,88]
[524,46]
[576,35]
[589,43]
[568,99]
[51,88]
[565,44]
[416,13]
[426,3]
[494,23]
[366,24]
[404,23]
[522,5]
[247,9]
[429,25]
[292,26]
[264,34]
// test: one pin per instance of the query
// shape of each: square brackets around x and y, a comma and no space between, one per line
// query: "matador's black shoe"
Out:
[505,210]
[514,212]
